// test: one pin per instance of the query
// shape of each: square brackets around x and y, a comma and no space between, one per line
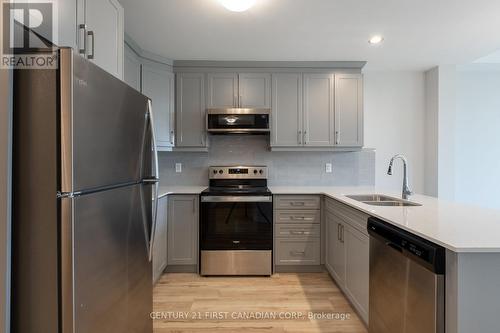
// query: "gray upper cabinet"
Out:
[245,90]
[286,113]
[67,23]
[190,111]
[101,33]
[222,90]
[349,110]
[319,110]
[255,90]
[158,85]
[132,69]
[182,230]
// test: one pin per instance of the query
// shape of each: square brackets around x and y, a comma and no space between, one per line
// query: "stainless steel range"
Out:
[236,222]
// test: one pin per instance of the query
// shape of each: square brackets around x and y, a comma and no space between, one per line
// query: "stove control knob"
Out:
[220,171]
[215,172]
[261,172]
[255,171]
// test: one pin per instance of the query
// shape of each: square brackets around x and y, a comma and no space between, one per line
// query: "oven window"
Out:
[236,225]
[226,121]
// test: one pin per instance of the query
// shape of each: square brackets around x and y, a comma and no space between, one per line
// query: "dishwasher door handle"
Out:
[394,246]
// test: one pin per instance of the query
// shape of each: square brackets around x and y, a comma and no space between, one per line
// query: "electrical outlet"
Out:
[328,167]
[178,167]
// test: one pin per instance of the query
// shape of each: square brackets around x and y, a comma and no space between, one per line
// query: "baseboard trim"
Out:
[182,269]
[299,269]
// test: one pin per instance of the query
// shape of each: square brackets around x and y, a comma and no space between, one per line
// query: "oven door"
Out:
[238,121]
[236,223]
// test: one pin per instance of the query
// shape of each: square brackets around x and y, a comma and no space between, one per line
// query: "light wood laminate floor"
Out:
[252,304]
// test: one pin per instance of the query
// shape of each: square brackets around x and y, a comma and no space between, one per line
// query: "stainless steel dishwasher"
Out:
[406,281]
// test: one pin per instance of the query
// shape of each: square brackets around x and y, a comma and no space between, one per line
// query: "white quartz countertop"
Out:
[457,227]
[166,190]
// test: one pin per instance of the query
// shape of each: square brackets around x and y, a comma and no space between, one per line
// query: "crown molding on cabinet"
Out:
[146,54]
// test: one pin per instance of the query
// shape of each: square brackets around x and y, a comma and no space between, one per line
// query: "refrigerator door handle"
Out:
[155,180]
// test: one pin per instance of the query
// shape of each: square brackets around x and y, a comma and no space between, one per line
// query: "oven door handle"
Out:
[228,198]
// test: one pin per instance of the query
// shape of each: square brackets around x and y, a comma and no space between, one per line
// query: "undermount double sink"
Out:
[381,200]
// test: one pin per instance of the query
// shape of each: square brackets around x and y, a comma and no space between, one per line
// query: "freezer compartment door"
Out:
[112,273]
[103,124]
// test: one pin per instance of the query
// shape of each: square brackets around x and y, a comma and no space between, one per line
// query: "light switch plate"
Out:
[328,167]
[178,167]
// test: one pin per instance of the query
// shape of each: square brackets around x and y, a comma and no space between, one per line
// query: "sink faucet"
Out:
[406,188]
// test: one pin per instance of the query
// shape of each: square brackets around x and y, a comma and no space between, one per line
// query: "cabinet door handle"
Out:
[305,137]
[342,234]
[172,137]
[298,253]
[297,203]
[300,137]
[338,232]
[337,135]
[293,232]
[82,27]
[92,54]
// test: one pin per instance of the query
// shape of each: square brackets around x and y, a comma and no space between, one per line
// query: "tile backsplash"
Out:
[285,168]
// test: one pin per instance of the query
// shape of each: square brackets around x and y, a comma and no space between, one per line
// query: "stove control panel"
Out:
[238,172]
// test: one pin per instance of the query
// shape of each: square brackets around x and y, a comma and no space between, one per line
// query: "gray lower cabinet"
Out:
[349,110]
[182,230]
[158,85]
[298,251]
[190,113]
[297,231]
[160,242]
[357,268]
[335,249]
[286,117]
[347,253]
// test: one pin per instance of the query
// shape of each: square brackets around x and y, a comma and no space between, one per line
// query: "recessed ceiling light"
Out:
[377,39]
[237,5]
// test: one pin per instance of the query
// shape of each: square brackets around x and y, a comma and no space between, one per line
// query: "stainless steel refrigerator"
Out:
[85,181]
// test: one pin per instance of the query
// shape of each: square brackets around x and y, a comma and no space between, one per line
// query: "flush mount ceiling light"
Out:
[237,5]
[376,39]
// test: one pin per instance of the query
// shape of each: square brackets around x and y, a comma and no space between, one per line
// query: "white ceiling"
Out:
[418,34]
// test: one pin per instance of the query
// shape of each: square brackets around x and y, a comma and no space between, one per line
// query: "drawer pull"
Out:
[301,218]
[297,203]
[298,253]
[298,232]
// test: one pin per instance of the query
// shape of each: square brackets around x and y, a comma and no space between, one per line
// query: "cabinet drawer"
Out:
[297,216]
[354,217]
[300,251]
[297,230]
[297,202]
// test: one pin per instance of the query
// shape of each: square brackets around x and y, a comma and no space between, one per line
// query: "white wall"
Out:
[478,137]
[395,123]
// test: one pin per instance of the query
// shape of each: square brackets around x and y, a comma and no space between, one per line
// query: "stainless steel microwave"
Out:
[238,121]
